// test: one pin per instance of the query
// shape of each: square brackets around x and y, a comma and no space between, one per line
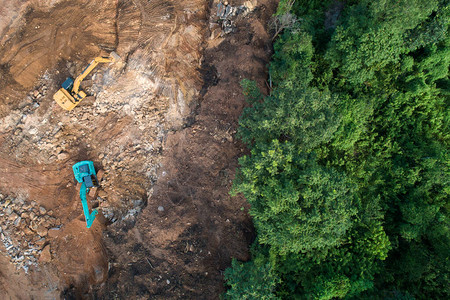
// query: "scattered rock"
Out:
[227,14]
[46,223]
[45,255]
[99,274]
[63,155]
[17,221]
[12,217]
[160,208]
[42,231]
[137,203]
[53,232]
[40,242]
[42,210]
[27,231]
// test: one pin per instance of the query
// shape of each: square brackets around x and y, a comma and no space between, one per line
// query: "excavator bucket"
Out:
[115,57]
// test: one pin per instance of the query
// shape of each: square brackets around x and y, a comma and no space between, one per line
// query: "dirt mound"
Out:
[143,126]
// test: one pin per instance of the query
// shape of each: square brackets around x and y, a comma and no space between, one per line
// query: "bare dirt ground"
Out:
[162,127]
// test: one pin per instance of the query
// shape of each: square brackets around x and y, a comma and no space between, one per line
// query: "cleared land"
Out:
[162,127]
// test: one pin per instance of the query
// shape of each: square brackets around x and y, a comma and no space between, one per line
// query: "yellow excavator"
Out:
[70,94]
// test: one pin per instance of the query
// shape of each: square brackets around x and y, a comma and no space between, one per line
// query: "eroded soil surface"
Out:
[161,125]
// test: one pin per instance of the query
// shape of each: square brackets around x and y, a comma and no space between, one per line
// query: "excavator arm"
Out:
[90,217]
[85,174]
[70,94]
[88,69]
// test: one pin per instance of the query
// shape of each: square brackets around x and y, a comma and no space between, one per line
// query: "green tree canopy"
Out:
[348,171]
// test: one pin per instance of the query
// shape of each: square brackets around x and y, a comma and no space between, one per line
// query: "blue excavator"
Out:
[84,172]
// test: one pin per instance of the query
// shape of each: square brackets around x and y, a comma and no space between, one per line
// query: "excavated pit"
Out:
[160,124]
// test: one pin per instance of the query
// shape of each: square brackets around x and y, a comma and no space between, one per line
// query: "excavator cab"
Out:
[70,95]
[68,84]
[84,173]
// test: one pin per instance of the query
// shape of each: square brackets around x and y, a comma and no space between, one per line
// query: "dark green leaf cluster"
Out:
[252,280]
[348,174]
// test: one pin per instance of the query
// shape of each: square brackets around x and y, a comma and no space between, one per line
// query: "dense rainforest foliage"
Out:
[348,175]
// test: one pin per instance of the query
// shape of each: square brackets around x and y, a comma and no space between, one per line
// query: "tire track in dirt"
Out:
[34,181]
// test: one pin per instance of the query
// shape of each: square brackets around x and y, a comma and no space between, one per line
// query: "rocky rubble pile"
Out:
[122,130]
[31,131]
[25,229]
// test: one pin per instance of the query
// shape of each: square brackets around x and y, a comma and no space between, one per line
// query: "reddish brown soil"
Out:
[182,251]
